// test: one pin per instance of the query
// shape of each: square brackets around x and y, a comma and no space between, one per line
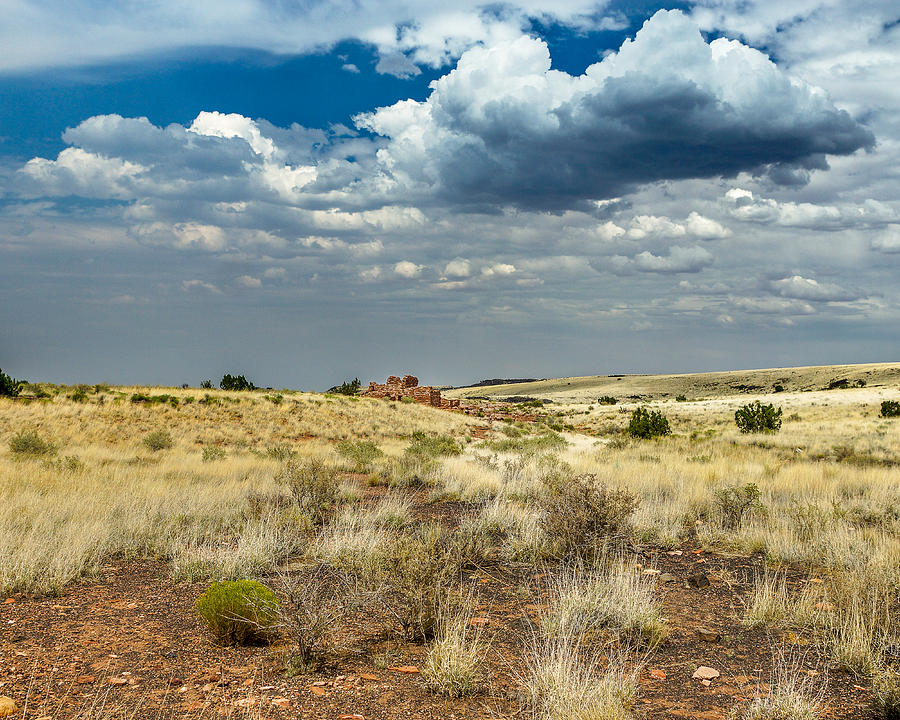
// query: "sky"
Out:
[305,191]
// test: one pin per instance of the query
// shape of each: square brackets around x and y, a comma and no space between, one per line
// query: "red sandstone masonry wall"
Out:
[397,388]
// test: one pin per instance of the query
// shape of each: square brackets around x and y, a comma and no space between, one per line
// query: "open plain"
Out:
[430,564]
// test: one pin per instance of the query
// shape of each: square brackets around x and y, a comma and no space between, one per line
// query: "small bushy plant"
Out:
[890,408]
[756,417]
[360,453]
[351,387]
[213,452]
[159,440]
[239,611]
[735,502]
[607,400]
[433,445]
[79,394]
[206,384]
[647,424]
[29,443]
[313,485]
[582,514]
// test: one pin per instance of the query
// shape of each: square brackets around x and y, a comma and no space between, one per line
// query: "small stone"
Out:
[709,635]
[9,601]
[675,552]
[84,679]
[316,690]
[657,674]
[368,676]
[118,681]
[408,669]
[353,716]
[281,702]
[705,673]
[706,682]
[650,571]
[479,621]
[7,706]
[698,580]
[667,578]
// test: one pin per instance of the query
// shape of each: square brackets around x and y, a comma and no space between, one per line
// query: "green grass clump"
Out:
[29,443]
[239,611]
[433,445]
[360,453]
[159,440]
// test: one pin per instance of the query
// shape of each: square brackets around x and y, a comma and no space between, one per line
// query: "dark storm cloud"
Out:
[503,128]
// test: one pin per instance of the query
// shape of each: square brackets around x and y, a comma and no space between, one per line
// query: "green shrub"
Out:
[79,394]
[890,408]
[28,442]
[9,387]
[239,611]
[417,568]
[159,440]
[213,452]
[206,384]
[351,387]
[681,398]
[433,445]
[313,485]
[235,382]
[581,515]
[647,424]
[607,400]
[735,502]
[778,388]
[756,417]
[529,444]
[361,453]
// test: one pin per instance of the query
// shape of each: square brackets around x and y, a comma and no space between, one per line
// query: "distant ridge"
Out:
[496,381]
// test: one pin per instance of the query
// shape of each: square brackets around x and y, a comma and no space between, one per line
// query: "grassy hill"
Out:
[693,385]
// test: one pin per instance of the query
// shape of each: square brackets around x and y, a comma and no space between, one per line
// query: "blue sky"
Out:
[308,192]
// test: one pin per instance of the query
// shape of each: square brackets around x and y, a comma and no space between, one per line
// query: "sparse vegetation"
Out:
[383,525]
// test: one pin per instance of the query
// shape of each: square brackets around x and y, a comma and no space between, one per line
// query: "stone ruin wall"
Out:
[397,388]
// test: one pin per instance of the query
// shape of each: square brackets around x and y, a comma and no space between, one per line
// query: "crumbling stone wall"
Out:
[397,388]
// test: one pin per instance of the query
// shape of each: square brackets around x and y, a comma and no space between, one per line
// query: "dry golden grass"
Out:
[210,503]
[826,489]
